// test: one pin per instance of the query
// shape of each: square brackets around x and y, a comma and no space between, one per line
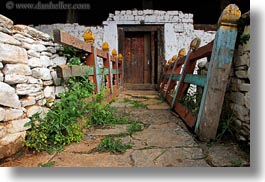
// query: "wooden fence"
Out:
[109,77]
[178,76]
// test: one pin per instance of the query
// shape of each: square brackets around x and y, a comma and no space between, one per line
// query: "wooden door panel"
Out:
[134,58]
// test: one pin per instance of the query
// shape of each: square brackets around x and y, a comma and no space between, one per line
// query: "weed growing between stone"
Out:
[112,145]
[63,124]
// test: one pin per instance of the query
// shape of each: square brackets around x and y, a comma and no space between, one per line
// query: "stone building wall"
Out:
[28,80]
[238,91]
[178,28]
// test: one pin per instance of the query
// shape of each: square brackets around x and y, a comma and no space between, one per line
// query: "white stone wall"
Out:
[75,30]
[178,28]
[28,80]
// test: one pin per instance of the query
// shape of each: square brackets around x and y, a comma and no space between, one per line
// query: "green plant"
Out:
[227,117]
[114,146]
[72,55]
[60,127]
[241,37]
[134,127]
[74,61]
[48,164]
[192,102]
[236,163]
[135,103]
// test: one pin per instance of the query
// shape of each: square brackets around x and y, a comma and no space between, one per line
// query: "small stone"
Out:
[49,92]
[24,39]
[45,61]
[26,89]
[46,54]
[36,109]
[42,73]
[28,101]
[32,31]
[47,83]
[11,114]
[241,74]
[15,79]
[58,90]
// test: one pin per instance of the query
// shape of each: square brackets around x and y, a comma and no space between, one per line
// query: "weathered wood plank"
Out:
[201,52]
[199,80]
[67,39]
[65,71]
[185,114]
[82,70]
[101,53]
[218,73]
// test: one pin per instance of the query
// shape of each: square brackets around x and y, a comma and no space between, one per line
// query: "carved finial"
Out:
[114,53]
[229,16]
[105,46]
[120,57]
[182,52]
[174,58]
[195,43]
[89,36]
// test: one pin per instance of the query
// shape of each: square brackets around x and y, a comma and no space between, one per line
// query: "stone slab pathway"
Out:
[164,142]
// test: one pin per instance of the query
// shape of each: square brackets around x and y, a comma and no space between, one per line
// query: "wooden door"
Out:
[137,58]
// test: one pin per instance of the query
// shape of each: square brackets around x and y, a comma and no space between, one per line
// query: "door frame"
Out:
[158,53]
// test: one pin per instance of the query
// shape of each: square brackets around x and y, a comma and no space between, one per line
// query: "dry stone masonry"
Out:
[28,80]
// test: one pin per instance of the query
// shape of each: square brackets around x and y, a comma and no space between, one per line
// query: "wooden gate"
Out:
[178,76]
[137,58]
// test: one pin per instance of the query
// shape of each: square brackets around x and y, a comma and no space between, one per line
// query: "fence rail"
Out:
[108,77]
[178,75]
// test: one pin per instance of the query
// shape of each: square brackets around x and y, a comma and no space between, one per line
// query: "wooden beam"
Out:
[218,74]
[67,39]
[185,114]
[101,53]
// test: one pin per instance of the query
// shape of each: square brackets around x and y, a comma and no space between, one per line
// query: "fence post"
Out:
[218,73]
[195,43]
[120,58]
[107,64]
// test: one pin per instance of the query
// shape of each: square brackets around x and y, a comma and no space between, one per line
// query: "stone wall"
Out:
[178,28]
[74,29]
[28,80]
[238,91]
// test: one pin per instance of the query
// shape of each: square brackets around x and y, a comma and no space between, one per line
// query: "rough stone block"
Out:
[6,91]
[3,131]
[11,114]
[16,126]
[238,98]
[15,79]
[28,101]
[42,73]
[241,74]
[12,54]
[11,144]
[6,22]
[25,89]
[7,39]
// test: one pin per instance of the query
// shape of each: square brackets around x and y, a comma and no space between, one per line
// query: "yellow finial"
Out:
[174,58]
[114,53]
[89,36]
[230,16]
[120,57]
[182,52]
[195,43]
[105,46]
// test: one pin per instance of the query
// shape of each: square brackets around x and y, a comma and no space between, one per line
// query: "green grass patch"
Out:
[135,103]
[112,145]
